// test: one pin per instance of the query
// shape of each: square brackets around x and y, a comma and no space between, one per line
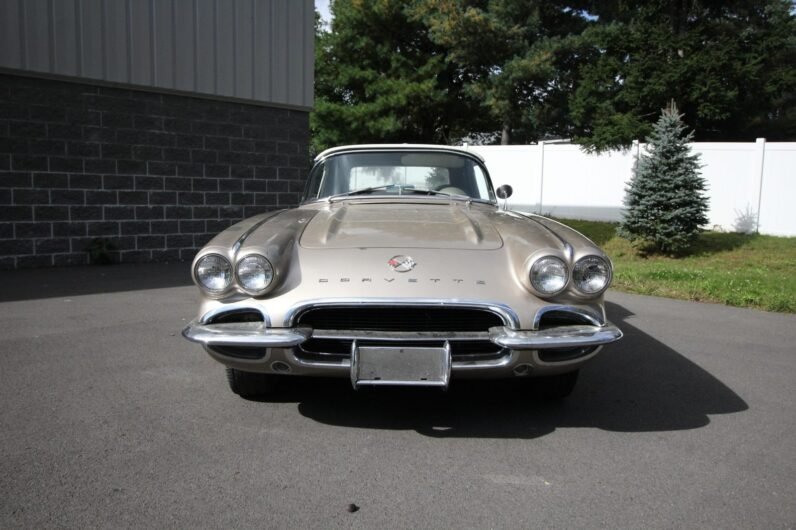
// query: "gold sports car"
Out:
[400,267]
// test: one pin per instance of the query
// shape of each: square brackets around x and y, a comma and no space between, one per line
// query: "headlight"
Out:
[214,273]
[549,275]
[255,273]
[591,274]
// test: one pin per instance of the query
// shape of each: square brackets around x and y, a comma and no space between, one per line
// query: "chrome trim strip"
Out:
[354,362]
[242,239]
[252,334]
[399,336]
[532,217]
[596,320]
[505,312]
[375,148]
[560,337]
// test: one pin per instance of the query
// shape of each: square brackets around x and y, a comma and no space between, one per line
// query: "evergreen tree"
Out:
[665,199]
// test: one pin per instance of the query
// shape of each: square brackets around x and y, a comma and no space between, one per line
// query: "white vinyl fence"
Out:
[750,185]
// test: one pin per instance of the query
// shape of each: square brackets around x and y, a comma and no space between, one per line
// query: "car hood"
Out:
[440,225]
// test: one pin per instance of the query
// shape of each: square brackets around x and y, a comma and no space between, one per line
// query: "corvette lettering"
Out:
[457,281]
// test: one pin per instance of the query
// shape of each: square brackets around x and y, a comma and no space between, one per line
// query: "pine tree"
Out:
[665,198]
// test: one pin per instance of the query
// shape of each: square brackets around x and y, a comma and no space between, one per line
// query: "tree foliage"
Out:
[380,78]
[728,64]
[526,70]
[665,200]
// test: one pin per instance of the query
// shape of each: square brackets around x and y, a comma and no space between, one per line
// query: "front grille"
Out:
[399,318]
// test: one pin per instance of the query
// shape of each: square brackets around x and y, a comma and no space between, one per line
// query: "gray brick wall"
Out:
[153,175]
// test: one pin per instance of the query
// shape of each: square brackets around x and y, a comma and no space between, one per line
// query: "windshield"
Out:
[399,173]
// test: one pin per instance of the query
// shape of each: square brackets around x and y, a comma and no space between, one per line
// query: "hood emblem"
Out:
[401,263]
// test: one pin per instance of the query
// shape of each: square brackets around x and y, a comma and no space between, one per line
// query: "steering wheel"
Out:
[453,190]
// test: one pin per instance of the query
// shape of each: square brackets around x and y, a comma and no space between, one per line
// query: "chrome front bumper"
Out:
[521,348]
[256,335]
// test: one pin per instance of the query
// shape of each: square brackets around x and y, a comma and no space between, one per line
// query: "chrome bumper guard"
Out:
[255,334]
[561,337]
[245,334]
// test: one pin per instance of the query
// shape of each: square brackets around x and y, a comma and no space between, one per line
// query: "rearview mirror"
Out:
[504,192]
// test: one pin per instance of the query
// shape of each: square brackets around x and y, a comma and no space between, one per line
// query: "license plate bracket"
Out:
[400,365]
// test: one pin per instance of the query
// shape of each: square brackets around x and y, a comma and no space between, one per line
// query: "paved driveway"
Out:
[111,419]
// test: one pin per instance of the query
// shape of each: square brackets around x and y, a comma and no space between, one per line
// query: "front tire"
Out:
[555,387]
[251,385]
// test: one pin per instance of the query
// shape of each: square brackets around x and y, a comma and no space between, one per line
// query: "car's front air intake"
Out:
[399,318]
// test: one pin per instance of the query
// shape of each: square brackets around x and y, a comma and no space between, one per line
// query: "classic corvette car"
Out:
[401,267]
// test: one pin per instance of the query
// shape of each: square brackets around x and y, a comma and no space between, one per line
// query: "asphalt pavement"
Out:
[111,419]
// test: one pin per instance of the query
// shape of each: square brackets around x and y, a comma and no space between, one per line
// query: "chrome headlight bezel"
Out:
[269,274]
[578,270]
[198,278]
[548,260]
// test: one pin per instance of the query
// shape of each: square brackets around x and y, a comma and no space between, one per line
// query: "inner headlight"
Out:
[549,275]
[214,273]
[255,273]
[591,274]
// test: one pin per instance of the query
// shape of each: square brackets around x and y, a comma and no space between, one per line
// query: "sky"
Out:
[323,8]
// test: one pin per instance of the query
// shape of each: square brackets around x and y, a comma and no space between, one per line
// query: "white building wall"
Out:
[747,182]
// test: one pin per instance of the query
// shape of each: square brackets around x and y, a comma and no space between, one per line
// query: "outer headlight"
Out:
[591,274]
[254,273]
[549,275]
[214,273]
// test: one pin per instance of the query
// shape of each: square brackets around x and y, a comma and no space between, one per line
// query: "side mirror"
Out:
[504,192]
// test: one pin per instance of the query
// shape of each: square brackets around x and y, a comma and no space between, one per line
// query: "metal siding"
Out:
[294,51]
[65,37]
[205,47]
[141,41]
[244,49]
[262,50]
[250,49]
[185,41]
[37,34]
[164,48]
[92,53]
[225,47]
[279,67]
[116,24]
[10,34]
[309,53]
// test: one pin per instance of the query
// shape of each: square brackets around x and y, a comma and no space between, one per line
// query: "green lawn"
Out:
[734,269]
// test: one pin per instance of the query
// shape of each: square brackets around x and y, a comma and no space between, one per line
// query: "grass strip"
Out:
[743,270]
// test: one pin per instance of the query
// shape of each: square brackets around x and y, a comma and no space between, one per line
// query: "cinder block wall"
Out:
[151,175]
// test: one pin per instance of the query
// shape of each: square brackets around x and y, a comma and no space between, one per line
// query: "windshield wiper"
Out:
[363,190]
[433,192]
[401,190]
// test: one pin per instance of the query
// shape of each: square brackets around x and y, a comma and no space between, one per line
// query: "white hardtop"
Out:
[401,147]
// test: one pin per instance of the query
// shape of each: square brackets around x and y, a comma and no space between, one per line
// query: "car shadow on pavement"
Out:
[636,385]
[34,284]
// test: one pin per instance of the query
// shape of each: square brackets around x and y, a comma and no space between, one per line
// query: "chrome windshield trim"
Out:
[596,320]
[510,318]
